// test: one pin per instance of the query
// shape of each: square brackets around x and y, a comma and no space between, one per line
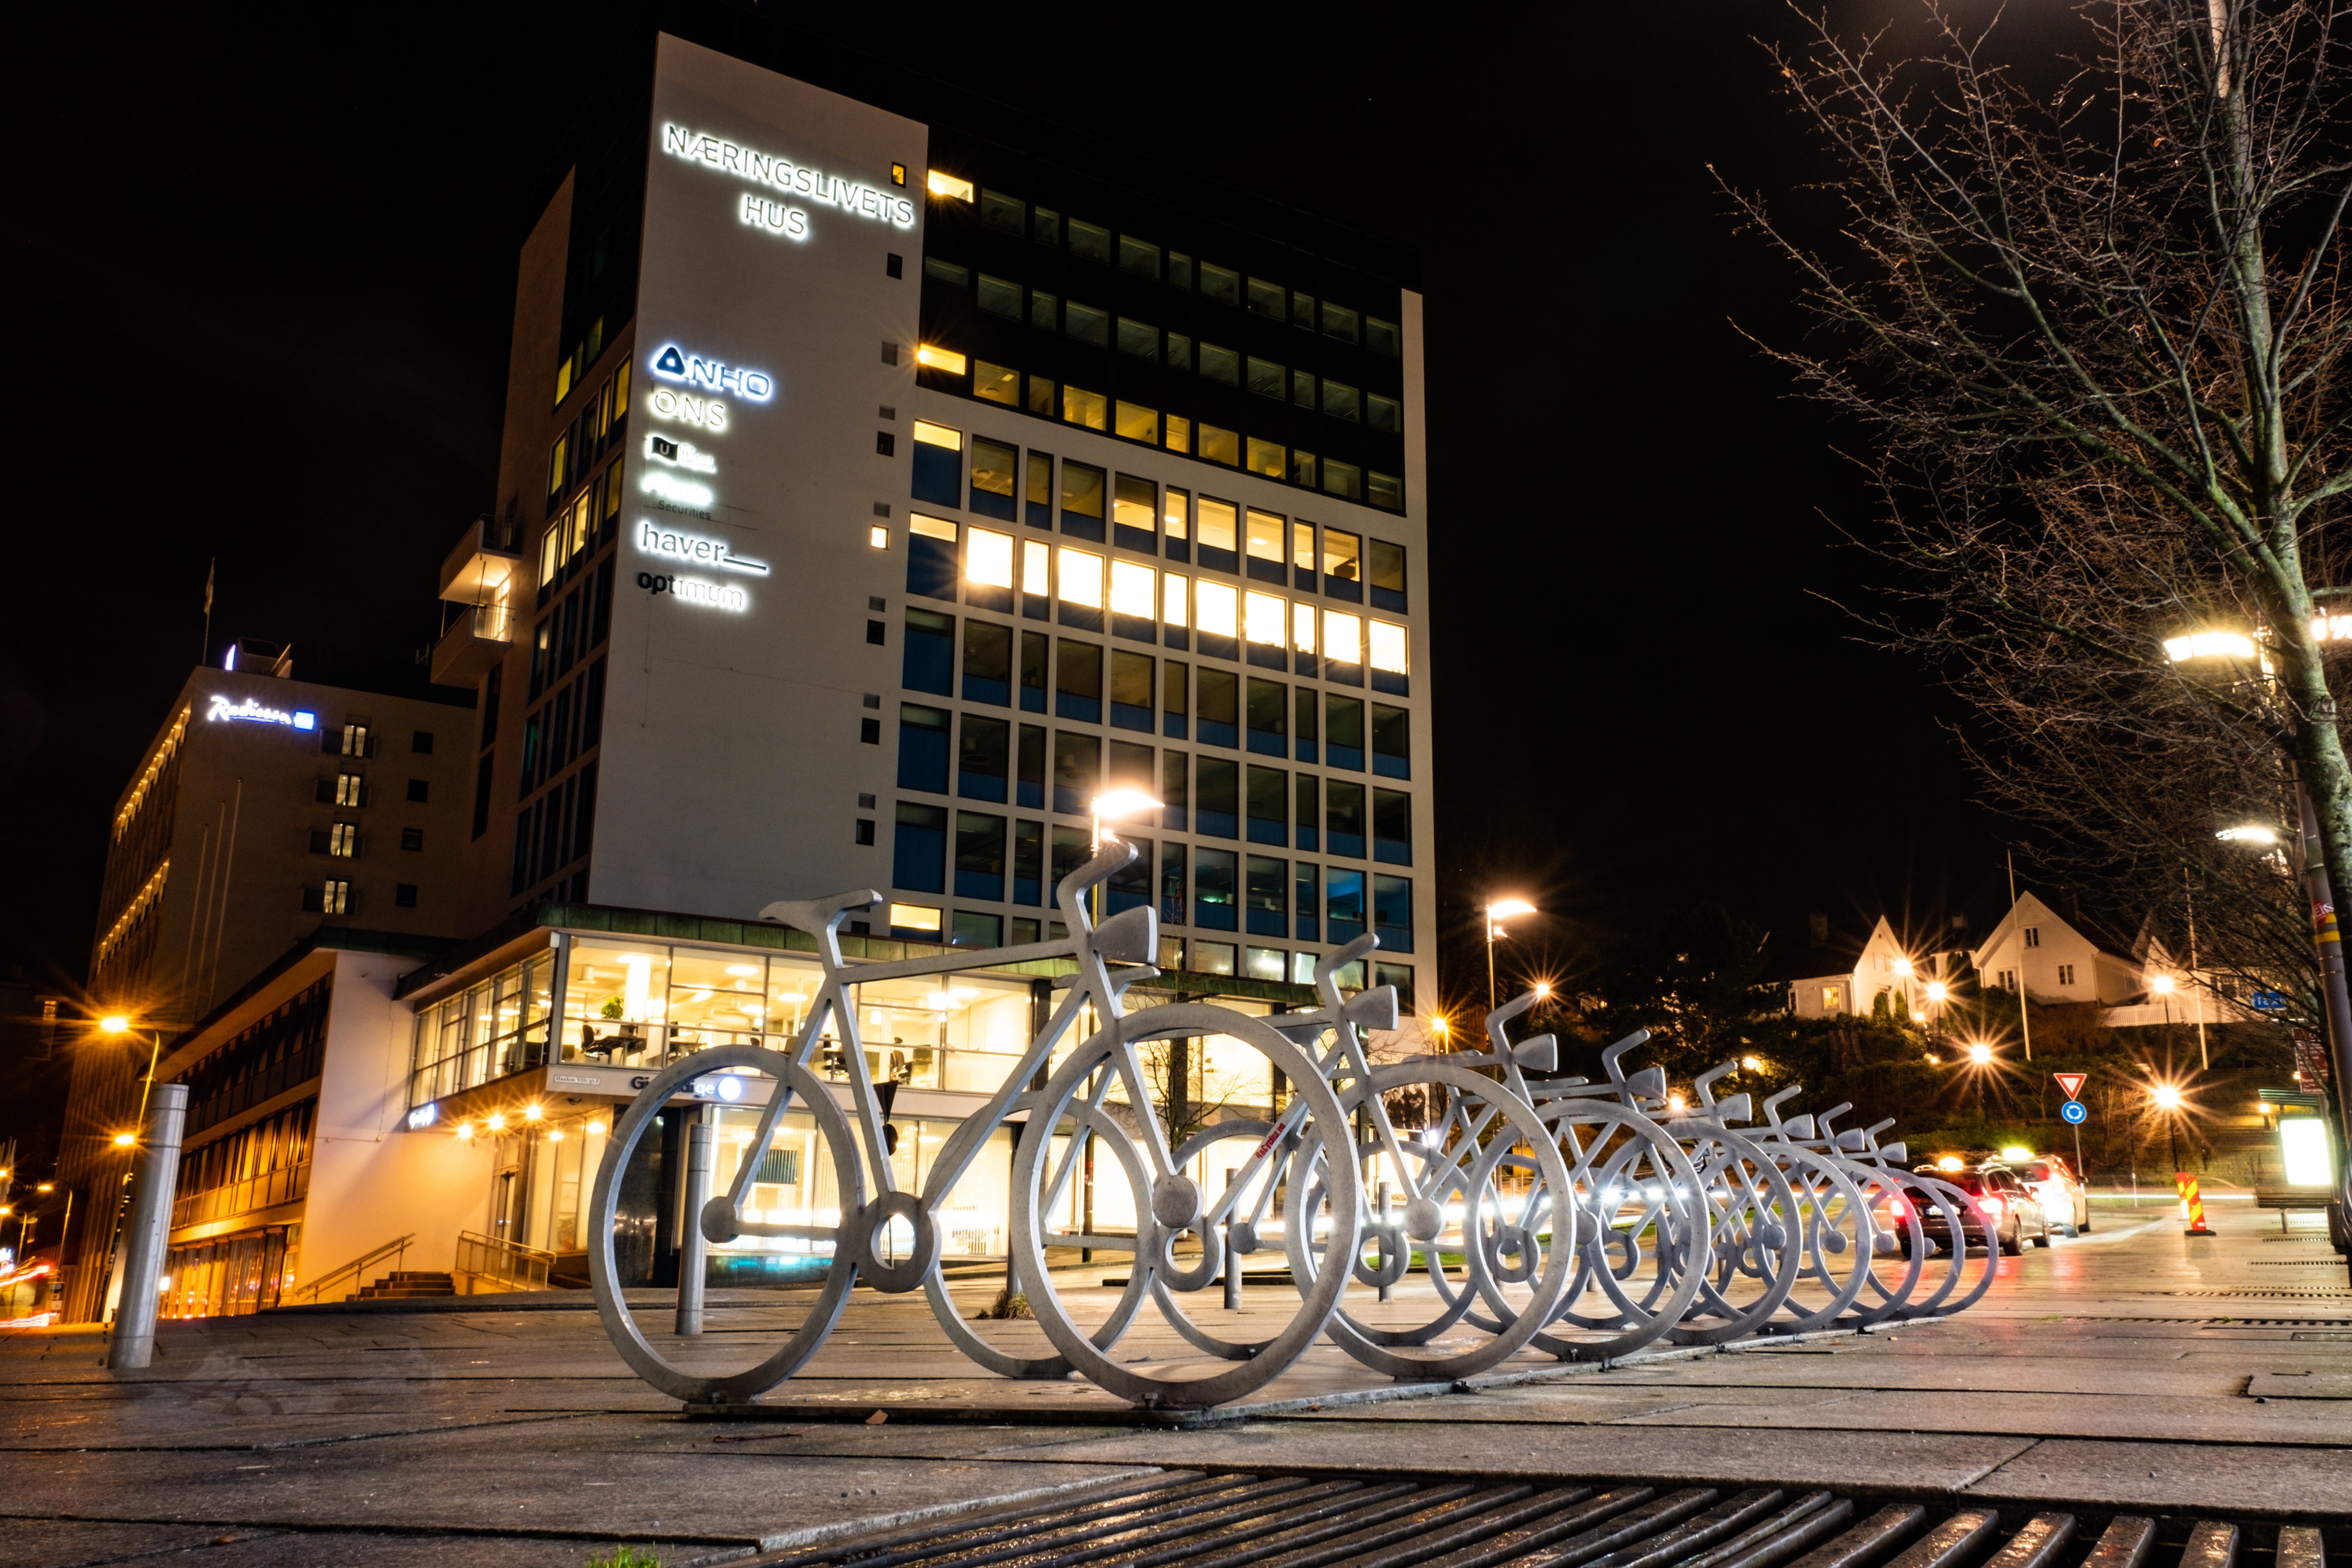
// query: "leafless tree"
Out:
[2097,331]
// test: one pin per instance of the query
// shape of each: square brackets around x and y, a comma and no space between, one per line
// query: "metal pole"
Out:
[133,1343]
[1490,958]
[2330,943]
[2024,1014]
[701,1154]
[2204,1056]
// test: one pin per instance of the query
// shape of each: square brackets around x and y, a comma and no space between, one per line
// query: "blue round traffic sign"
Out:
[2072,1111]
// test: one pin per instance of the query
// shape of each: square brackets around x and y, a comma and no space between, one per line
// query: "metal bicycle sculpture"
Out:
[1572,1219]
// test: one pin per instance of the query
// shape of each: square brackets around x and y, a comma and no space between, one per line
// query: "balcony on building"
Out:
[477,581]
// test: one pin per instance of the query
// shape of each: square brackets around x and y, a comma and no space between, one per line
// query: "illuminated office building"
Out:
[876,493]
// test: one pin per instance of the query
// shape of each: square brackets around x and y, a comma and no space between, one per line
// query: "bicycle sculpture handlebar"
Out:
[1477,1213]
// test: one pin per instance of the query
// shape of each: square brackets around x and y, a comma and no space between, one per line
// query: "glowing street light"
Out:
[2167,1097]
[1980,1054]
[1499,911]
[1938,992]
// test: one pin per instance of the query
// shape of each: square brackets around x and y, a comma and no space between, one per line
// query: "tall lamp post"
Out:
[1501,909]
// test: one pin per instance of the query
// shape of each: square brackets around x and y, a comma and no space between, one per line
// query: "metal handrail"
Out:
[396,1249]
[507,1263]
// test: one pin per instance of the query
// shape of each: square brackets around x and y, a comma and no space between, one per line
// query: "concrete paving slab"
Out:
[2261,1482]
[72,1544]
[1682,1455]
[592,1478]
[2304,1385]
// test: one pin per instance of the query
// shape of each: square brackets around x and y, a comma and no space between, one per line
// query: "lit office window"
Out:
[1388,648]
[916,920]
[1218,608]
[988,558]
[1171,597]
[1302,628]
[1343,637]
[1268,457]
[1081,578]
[1176,514]
[1261,619]
[1130,589]
[1264,536]
[1034,558]
[1220,527]
[1137,422]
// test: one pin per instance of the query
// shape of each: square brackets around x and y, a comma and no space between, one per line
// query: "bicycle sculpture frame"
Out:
[1544,1214]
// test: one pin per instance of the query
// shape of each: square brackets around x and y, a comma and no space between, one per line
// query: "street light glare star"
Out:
[1504,908]
[2167,1097]
[1980,1054]
[2162,986]
[114,1024]
[1122,803]
[1938,991]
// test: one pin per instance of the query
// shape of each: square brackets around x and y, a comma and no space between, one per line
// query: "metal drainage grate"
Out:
[2299,1293]
[1300,1522]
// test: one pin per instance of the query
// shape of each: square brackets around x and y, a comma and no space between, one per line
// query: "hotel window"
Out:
[983,758]
[1220,541]
[355,740]
[1077,681]
[1393,912]
[1392,741]
[1267,709]
[930,556]
[1217,804]
[1130,689]
[1392,827]
[938,464]
[1140,338]
[1265,883]
[988,569]
[1134,422]
[1267,378]
[1078,771]
[1078,576]
[1174,678]
[1037,491]
[1269,801]
[1028,863]
[988,660]
[1213,904]
[344,840]
[994,464]
[1382,337]
[1000,297]
[347,789]
[1175,789]
[1086,323]
[1088,409]
[1263,541]
[1171,887]
[998,210]
[996,384]
[1221,364]
[919,850]
[1343,819]
[1132,596]
[1036,647]
[1343,904]
[1132,514]
[1266,457]
[923,748]
[979,857]
[929,664]
[335,898]
[2065,975]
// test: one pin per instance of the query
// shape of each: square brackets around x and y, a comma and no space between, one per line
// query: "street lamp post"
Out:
[1499,911]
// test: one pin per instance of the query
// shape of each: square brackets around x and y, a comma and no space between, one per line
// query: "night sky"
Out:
[264,283]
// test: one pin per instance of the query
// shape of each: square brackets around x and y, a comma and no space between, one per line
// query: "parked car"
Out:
[2012,1207]
[2064,1197]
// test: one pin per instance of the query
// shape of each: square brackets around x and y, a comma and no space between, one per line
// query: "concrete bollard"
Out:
[701,1155]
[133,1344]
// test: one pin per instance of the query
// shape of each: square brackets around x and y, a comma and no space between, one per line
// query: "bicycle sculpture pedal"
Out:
[1476,1213]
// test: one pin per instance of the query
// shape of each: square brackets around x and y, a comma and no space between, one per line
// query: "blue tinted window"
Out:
[930,661]
[1213,904]
[939,472]
[979,857]
[923,748]
[983,760]
[1217,799]
[1392,827]
[1393,912]
[918,854]
[1343,903]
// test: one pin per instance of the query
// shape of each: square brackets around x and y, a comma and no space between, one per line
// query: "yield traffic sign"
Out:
[2071,1082]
